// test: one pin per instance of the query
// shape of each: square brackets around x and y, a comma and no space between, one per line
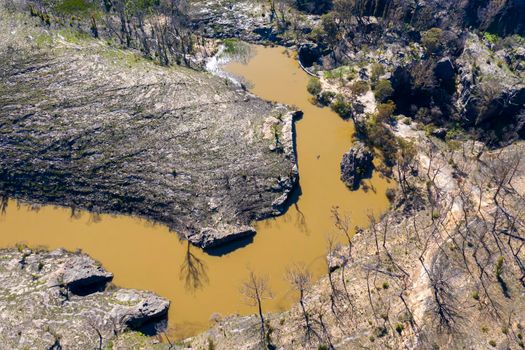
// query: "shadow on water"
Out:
[193,271]
[153,327]
[4,199]
[229,247]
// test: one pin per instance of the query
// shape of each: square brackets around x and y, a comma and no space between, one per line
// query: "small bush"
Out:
[386,285]
[326,97]
[314,86]
[492,343]
[74,6]
[359,88]
[475,295]
[385,111]
[341,107]
[491,38]
[383,90]
[322,347]
[432,40]
[379,136]
[399,328]
[230,45]
[377,71]
[211,344]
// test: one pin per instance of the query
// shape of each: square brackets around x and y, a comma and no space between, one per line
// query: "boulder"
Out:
[40,312]
[445,72]
[82,273]
[210,237]
[136,308]
[356,165]
[440,133]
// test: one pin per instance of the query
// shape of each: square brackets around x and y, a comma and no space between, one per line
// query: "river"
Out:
[146,256]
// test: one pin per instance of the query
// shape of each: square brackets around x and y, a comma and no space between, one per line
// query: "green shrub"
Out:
[377,71]
[325,98]
[341,107]
[380,137]
[491,38]
[432,40]
[492,343]
[359,88]
[229,45]
[385,111]
[386,285]
[475,295]
[74,6]
[383,90]
[314,86]
[399,328]
[211,344]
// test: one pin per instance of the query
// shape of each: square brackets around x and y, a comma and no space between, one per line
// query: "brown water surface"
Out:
[146,256]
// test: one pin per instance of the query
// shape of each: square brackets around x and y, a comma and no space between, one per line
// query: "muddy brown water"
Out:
[146,256]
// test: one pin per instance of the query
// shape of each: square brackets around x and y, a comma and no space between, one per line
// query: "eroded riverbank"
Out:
[146,256]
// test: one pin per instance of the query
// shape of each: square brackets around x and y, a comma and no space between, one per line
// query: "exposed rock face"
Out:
[88,126]
[81,274]
[504,17]
[490,95]
[38,311]
[356,165]
[440,133]
[222,19]
[481,88]
[246,20]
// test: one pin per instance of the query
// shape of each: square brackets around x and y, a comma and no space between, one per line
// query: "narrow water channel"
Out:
[146,256]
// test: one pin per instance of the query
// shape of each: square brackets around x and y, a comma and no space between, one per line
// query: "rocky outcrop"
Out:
[81,275]
[39,310]
[356,165]
[89,126]
[491,95]
[481,89]
[247,20]
[504,17]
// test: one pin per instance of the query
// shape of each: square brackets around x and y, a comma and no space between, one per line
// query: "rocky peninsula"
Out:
[88,126]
